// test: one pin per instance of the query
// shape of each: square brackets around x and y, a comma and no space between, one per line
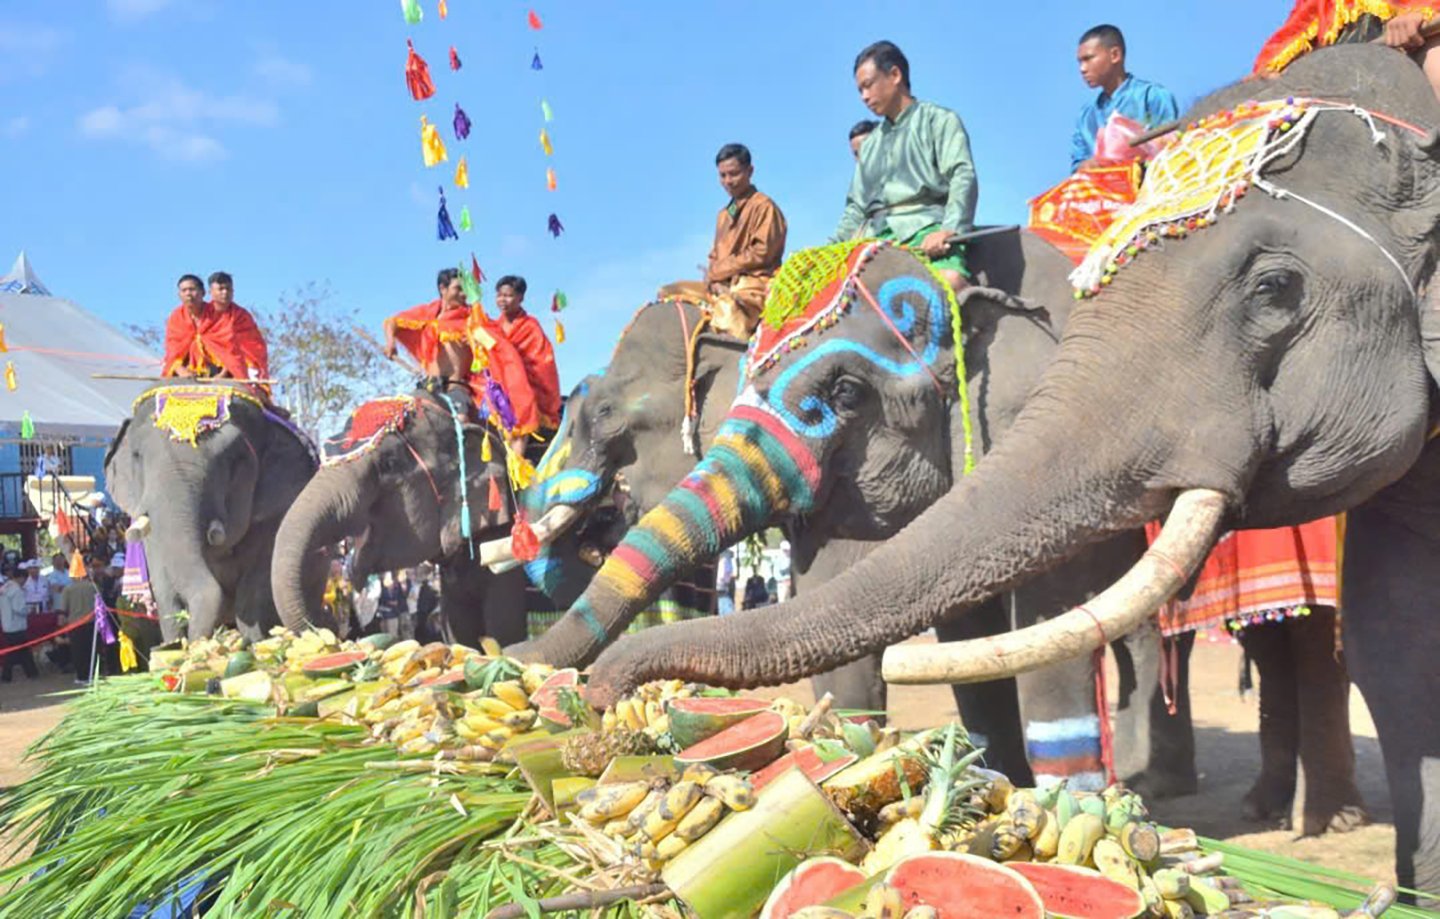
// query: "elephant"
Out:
[883,472]
[1288,356]
[207,470]
[390,482]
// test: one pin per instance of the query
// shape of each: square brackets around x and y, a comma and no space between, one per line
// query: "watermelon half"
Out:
[755,742]
[546,698]
[963,886]
[453,679]
[813,882]
[696,719]
[807,760]
[333,664]
[1079,893]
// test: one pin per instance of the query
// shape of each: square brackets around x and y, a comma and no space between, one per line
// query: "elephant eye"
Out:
[847,395]
[1275,282]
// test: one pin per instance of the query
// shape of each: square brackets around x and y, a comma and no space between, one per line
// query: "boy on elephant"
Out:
[1316,23]
[199,341]
[1123,98]
[536,353]
[915,182]
[244,331]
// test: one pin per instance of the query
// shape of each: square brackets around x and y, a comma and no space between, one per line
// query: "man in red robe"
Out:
[525,333]
[244,332]
[198,342]
[1315,23]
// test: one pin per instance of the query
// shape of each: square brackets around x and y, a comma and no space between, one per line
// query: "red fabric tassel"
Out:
[454,59]
[417,74]
[475,271]
[522,540]
[497,502]
[535,22]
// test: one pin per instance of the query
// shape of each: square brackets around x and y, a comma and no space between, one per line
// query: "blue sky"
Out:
[140,139]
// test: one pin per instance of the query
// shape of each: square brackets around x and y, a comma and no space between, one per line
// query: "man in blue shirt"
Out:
[1102,64]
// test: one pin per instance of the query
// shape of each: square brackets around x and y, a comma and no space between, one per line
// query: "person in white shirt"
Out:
[57,579]
[37,592]
[15,624]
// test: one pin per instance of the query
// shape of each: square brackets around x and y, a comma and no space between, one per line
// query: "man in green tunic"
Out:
[915,181]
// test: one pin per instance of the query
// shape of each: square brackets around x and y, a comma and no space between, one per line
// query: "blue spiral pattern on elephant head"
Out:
[812,416]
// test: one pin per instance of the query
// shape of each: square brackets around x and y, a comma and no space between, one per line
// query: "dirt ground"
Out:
[1225,724]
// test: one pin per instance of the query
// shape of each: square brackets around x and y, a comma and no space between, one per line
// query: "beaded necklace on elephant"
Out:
[1204,173]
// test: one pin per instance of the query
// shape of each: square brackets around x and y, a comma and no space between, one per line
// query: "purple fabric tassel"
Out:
[556,227]
[535,61]
[462,123]
[496,396]
[103,624]
[136,583]
[444,228]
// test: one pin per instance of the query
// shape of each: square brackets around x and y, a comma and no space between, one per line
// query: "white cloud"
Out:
[173,119]
[27,50]
[15,127]
[136,9]
[281,71]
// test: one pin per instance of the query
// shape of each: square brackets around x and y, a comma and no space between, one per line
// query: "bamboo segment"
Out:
[541,763]
[730,870]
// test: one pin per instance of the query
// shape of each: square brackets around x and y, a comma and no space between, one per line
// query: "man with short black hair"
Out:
[858,132]
[197,342]
[242,328]
[915,181]
[749,245]
[1126,103]
[536,353]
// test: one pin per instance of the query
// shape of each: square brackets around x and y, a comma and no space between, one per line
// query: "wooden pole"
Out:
[581,900]
[232,381]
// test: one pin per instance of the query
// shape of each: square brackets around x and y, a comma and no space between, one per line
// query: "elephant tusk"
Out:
[499,557]
[1190,530]
[139,528]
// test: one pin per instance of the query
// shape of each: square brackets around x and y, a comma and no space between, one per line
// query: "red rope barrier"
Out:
[44,638]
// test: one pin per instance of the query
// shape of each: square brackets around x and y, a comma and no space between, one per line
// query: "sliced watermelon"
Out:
[813,882]
[753,743]
[546,698]
[333,664]
[809,762]
[453,679]
[1079,893]
[697,719]
[963,886]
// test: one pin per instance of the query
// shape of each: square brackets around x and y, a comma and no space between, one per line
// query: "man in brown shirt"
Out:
[749,241]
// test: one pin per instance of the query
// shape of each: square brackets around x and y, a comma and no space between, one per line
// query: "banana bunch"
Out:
[657,820]
[644,710]
[416,723]
[309,644]
[489,721]
[828,727]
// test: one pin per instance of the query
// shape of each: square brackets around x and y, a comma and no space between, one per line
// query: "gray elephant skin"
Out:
[400,501]
[1289,358]
[214,508]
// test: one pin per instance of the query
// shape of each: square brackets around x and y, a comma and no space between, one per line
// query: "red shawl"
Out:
[1315,23]
[248,340]
[421,329]
[202,345]
[525,333]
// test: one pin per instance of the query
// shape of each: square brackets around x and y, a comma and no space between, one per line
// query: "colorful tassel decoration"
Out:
[454,59]
[4,348]
[475,271]
[534,20]
[555,226]
[443,10]
[535,61]
[444,228]
[522,540]
[128,660]
[432,148]
[486,454]
[545,110]
[413,13]
[462,174]
[497,502]
[27,426]
[558,301]
[545,142]
[472,289]
[417,74]
[559,332]
[10,381]
[465,225]
[522,473]
[462,123]
[77,566]
[550,179]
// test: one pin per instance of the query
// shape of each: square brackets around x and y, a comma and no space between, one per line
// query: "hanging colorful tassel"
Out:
[472,289]
[417,74]
[535,61]
[454,59]
[443,9]
[462,123]
[465,225]
[545,142]
[462,174]
[523,543]
[413,13]
[27,426]
[558,301]
[10,380]
[128,660]
[497,502]
[444,228]
[550,179]
[63,527]
[4,348]
[486,455]
[77,565]
[534,19]
[545,110]
[432,147]
[559,332]
[555,226]
[475,271]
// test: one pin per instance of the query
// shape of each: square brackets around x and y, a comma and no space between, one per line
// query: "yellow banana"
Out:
[612,801]
[650,802]
[681,797]
[1110,859]
[700,819]
[511,693]
[670,846]
[1025,813]
[884,902]
[617,828]
[1079,838]
[534,676]
[1172,883]
[699,772]
[736,792]
[896,811]
[519,720]
[486,705]
[627,713]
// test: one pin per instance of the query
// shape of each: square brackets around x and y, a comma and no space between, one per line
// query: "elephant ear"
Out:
[1430,330]
[286,466]
[122,470]
[717,376]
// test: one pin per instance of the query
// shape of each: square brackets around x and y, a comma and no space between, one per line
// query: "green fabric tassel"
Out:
[473,293]
[413,13]
[465,223]
[27,426]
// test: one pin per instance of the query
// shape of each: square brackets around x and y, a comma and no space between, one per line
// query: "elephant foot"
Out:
[1344,819]
[1155,785]
[1270,799]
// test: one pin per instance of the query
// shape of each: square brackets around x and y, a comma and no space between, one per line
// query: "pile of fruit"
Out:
[741,805]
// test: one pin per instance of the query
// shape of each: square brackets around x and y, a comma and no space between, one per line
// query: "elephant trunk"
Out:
[326,512]
[215,533]
[755,471]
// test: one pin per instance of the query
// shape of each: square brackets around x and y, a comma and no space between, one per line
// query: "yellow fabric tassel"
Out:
[521,472]
[128,660]
[4,348]
[550,179]
[559,332]
[77,565]
[10,381]
[462,174]
[485,453]
[431,146]
[545,142]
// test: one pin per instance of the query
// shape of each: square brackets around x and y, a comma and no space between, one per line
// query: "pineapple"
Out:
[945,814]
[588,754]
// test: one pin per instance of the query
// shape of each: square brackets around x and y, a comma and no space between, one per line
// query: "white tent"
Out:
[22,279]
